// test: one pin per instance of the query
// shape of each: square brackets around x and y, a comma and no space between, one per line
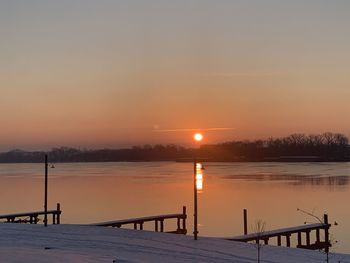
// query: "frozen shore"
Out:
[21,243]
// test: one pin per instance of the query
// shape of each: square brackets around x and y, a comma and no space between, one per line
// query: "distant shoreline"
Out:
[326,147]
[191,160]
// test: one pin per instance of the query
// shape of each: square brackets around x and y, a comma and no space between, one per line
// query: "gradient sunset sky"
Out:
[107,73]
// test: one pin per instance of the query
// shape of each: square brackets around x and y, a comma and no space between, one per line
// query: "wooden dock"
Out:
[287,232]
[158,222]
[33,217]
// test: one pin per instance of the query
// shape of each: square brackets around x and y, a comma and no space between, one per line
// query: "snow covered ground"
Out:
[20,243]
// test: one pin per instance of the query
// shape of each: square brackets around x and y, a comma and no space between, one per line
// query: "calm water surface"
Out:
[272,192]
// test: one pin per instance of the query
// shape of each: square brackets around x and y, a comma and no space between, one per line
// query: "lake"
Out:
[272,192]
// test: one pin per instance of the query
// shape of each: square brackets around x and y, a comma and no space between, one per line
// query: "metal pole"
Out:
[195,224]
[45,202]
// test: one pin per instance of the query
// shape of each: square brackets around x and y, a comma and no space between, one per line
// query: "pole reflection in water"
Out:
[199,177]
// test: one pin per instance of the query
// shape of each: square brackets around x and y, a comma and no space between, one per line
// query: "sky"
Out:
[112,73]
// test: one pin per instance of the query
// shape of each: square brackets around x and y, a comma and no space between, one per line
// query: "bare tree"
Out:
[259,229]
[332,241]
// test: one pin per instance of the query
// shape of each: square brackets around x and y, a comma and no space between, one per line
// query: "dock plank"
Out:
[279,232]
[138,220]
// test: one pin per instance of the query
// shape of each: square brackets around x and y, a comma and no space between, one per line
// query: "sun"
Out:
[198,137]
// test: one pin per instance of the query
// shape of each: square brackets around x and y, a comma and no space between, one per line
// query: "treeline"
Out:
[68,154]
[299,147]
[296,147]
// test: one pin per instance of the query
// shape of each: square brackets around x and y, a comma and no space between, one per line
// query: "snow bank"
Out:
[21,243]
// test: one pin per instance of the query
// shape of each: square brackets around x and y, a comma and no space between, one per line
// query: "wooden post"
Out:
[326,233]
[308,238]
[299,239]
[156,225]
[279,240]
[245,221]
[288,240]
[317,235]
[59,213]
[184,218]
[178,224]
[141,226]
[162,225]
[45,197]
[54,218]
[135,226]
[266,241]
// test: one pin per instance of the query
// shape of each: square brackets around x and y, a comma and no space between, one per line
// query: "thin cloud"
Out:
[248,74]
[191,130]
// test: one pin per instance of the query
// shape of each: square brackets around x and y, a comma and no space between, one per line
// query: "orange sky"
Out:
[106,73]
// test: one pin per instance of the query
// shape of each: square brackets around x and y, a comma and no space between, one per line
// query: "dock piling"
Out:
[245,221]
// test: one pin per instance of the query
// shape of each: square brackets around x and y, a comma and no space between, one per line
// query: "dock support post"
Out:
[308,238]
[178,225]
[288,240]
[279,243]
[162,225]
[299,239]
[326,233]
[245,221]
[156,225]
[317,235]
[184,218]
[58,214]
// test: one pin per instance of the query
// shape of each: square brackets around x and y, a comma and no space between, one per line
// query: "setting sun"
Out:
[198,137]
